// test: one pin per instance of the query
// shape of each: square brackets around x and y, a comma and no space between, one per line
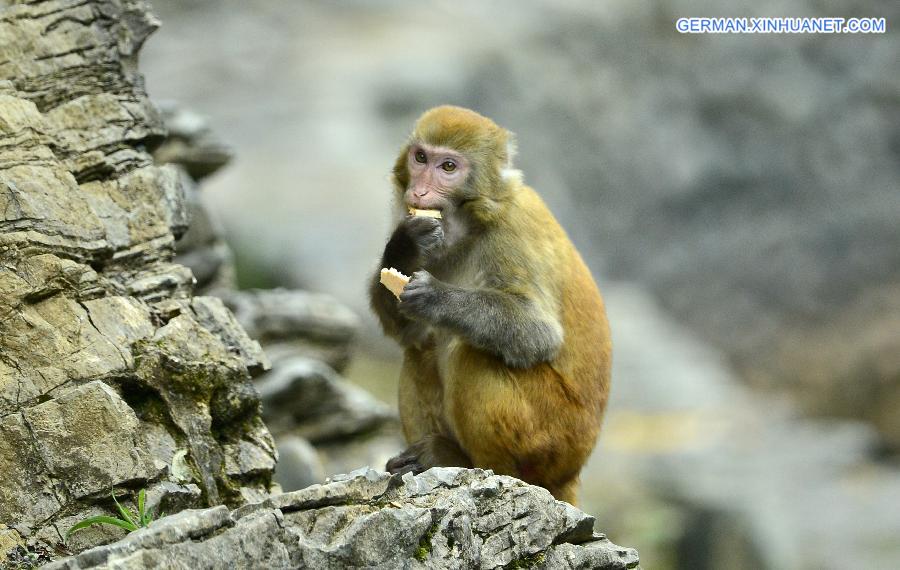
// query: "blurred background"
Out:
[737,198]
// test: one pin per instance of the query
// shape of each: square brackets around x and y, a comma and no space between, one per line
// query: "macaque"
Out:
[506,345]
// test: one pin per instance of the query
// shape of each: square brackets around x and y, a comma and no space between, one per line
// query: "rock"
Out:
[212,313]
[112,375]
[28,495]
[350,428]
[194,152]
[202,247]
[190,142]
[443,518]
[281,313]
[10,540]
[375,447]
[306,397]
[299,465]
[296,323]
[81,435]
[288,322]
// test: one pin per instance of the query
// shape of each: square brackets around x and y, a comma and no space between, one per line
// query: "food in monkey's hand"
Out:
[426,213]
[394,281]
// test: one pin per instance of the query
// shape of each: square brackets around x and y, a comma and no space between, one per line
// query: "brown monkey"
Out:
[507,349]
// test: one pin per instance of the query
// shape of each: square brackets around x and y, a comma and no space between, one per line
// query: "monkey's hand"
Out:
[426,233]
[421,297]
[406,462]
[430,451]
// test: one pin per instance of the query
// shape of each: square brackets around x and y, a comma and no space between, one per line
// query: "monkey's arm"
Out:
[413,240]
[506,324]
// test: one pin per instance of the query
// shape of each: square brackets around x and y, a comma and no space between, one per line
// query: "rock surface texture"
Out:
[443,518]
[112,375]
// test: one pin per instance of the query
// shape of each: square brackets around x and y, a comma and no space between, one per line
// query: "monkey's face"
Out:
[436,176]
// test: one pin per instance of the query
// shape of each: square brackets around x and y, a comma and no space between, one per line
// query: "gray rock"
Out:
[190,142]
[299,465]
[212,314]
[280,313]
[202,247]
[28,494]
[89,438]
[307,398]
[443,518]
[375,447]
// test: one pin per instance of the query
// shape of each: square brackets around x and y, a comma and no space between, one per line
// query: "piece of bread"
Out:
[394,280]
[426,213]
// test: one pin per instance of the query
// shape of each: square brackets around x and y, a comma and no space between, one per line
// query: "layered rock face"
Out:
[443,518]
[113,377]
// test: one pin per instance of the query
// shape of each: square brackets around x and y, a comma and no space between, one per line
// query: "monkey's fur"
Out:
[506,344]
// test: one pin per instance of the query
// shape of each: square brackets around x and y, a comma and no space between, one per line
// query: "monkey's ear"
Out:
[400,174]
[508,171]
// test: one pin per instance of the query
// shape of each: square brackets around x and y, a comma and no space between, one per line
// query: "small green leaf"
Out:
[147,518]
[102,519]
[126,514]
[142,494]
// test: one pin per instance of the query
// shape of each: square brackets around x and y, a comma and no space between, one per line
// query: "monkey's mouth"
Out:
[423,205]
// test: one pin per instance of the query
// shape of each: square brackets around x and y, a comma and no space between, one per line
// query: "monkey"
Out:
[506,345]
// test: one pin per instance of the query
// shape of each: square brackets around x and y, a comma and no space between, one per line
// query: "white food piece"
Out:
[426,213]
[394,281]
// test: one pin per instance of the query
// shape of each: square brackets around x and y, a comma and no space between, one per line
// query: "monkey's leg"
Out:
[420,396]
[528,423]
[567,492]
[421,415]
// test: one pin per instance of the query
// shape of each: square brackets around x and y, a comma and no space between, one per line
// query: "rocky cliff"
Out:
[113,377]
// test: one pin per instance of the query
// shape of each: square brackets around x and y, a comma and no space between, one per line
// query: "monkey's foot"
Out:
[405,462]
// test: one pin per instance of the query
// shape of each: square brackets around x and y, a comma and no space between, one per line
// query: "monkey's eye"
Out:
[448,166]
[420,157]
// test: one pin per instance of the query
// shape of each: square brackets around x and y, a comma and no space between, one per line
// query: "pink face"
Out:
[435,174]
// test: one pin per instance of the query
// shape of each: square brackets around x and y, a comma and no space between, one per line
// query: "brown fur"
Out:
[537,423]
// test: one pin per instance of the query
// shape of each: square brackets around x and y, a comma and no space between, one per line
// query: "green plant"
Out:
[129,521]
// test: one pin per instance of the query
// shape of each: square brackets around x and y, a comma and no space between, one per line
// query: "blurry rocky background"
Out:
[737,197]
